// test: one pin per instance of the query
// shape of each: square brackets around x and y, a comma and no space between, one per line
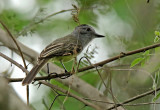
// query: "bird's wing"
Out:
[51,50]
[61,47]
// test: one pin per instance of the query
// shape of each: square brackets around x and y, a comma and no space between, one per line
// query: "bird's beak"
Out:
[98,35]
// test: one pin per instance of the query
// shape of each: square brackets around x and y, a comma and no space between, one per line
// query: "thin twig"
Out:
[53,14]
[132,69]
[56,97]
[21,54]
[70,94]
[140,104]
[19,49]
[113,97]
[110,83]
[119,56]
[52,76]
[26,71]
[54,101]
[135,98]
[136,104]
[14,62]
[43,19]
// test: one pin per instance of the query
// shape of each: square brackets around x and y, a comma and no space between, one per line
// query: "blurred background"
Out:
[127,25]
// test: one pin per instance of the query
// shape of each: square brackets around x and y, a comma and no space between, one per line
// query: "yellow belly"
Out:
[63,58]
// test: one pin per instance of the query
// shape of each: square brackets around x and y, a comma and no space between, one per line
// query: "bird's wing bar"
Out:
[51,50]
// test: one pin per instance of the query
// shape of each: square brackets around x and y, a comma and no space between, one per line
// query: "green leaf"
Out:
[156,97]
[136,61]
[156,39]
[146,52]
[157,77]
[156,80]
[157,33]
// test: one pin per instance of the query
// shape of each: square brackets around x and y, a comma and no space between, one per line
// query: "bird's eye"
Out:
[88,29]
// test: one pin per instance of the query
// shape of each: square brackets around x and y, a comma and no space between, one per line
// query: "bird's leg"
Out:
[64,67]
[49,74]
[68,75]
[48,68]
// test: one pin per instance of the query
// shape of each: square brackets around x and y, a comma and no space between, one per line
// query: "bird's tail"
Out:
[31,75]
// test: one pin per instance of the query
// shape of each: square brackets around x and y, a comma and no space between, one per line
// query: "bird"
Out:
[63,49]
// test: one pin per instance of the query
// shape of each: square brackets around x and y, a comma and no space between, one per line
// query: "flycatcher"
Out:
[63,49]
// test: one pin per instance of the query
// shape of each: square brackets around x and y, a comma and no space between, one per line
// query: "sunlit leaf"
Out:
[157,77]
[156,97]
[157,33]
[156,39]
[136,61]
[146,52]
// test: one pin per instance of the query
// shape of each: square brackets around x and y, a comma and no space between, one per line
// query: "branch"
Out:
[119,56]
[135,98]
[93,65]
[49,77]
[42,20]
[54,87]
[26,71]
[19,49]
[14,62]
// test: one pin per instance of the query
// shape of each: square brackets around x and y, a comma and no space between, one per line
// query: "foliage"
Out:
[141,60]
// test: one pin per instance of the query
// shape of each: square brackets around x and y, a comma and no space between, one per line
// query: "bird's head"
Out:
[86,31]
[85,34]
